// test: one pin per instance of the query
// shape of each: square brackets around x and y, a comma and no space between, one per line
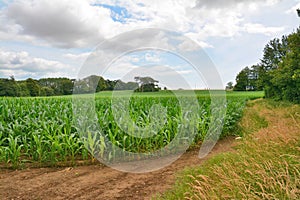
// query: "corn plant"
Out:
[42,129]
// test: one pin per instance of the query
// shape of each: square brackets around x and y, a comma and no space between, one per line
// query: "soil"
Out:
[97,181]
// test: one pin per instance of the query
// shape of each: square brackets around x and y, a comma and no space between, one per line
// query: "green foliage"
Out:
[229,86]
[40,130]
[274,52]
[37,130]
[285,80]
[278,73]
[8,87]
[242,80]
[247,79]
[60,86]
[55,86]
[257,169]
[146,84]
[33,87]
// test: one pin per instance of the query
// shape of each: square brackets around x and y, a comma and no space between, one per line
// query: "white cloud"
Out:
[59,22]
[214,25]
[185,72]
[21,64]
[77,57]
[135,59]
[293,9]
[232,3]
[80,23]
[187,45]
[119,70]
[164,74]
[261,29]
[152,57]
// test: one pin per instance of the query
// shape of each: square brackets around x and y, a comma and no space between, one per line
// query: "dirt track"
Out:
[95,181]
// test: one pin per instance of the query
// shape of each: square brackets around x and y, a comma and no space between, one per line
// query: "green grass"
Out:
[272,172]
[203,93]
[41,130]
[265,165]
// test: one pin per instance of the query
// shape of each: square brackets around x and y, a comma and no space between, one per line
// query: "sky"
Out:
[42,38]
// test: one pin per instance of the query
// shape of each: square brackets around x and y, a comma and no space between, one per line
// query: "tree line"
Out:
[65,86]
[278,72]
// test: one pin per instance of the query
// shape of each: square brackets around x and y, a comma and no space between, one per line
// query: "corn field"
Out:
[41,130]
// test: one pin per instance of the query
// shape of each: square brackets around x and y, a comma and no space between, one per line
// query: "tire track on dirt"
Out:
[96,181]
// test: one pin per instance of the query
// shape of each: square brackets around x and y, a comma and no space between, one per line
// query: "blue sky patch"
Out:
[118,13]
[2,4]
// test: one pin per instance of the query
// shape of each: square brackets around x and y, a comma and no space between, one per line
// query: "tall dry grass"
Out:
[265,165]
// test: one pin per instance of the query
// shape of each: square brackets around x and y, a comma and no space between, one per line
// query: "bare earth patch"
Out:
[96,181]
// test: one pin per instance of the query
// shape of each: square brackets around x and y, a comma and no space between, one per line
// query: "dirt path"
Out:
[95,181]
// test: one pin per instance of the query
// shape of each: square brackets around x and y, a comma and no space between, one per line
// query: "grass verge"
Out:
[264,165]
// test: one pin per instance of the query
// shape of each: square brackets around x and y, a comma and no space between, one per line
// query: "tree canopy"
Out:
[65,86]
[278,72]
[146,84]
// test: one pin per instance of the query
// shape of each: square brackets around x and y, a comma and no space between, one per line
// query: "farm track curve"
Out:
[97,181]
